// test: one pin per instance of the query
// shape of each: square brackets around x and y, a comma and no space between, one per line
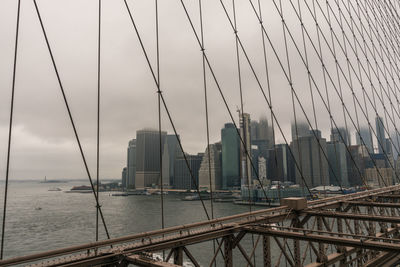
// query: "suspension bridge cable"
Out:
[368,67]
[326,90]
[168,113]
[206,116]
[98,118]
[10,129]
[299,150]
[223,97]
[159,116]
[286,75]
[313,103]
[267,77]
[390,73]
[328,72]
[164,103]
[377,65]
[248,173]
[362,87]
[314,82]
[70,116]
[348,81]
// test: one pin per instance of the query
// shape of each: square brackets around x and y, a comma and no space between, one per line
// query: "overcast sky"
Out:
[43,141]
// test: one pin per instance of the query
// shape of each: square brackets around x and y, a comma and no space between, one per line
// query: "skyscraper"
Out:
[245,167]
[230,157]
[300,130]
[337,156]
[281,164]
[148,157]
[123,178]
[215,167]
[314,165]
[182,178]
[262,137]
[380,134]
[366,137]
[171,151]
[340,135]
[131,164]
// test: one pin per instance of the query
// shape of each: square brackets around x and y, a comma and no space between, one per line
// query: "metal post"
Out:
[296,244]
[228,251]
[341,249]
[357,232]
[178,256]
[267,251]
[321,246]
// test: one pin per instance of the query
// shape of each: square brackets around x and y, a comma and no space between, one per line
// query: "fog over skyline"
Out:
[43,142]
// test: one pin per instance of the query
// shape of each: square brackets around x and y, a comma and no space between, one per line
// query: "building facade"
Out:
[380,134]
[309,154]
[171,152]
[131,164]
[148,157]
[230,157]
[211,169]
[182,178]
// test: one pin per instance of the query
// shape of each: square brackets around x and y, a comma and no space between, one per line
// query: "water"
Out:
[67,219]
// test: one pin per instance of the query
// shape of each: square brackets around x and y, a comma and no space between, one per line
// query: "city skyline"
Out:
[309,159]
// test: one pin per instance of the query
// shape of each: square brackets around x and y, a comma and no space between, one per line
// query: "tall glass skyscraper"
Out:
[230,157]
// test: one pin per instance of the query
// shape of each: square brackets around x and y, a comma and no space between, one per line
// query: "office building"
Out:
[182,178]
[357,161]
[340,135]
[123,178]
[210,168]
[378,178]
[338,170]
[245,149]
[366,139]
[280,165]
[310,155]
[262,170]
[131,164]
[300,130]
[148,157]
[230,157]
[171,151]
[380,134]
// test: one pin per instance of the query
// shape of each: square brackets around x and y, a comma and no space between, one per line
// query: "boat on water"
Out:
[55,189]
[195,197]
[120,195]
[80,189]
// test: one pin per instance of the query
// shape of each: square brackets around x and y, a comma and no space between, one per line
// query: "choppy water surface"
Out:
[67,219]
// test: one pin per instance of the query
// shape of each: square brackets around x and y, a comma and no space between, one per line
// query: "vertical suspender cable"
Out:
[206,115]
[159,118]
[10,130]
[326,92]
[70,116]
[321,174]
[248,173]
[98,120]
[289,71]
[268,89]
